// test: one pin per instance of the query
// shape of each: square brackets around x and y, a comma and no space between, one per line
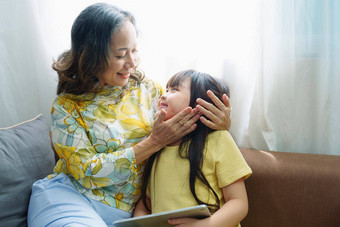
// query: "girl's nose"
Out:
[163,97]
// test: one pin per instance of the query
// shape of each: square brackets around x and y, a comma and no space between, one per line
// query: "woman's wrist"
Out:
[144,149]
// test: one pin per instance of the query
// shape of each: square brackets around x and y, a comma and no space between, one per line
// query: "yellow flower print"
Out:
[110,146]
[122,169]
[151,88]
[98,192]
[133,166]
[60,167]
[101,182]
[66,103]
[74,125]
[105,114]
[130,106]
[91,182]
[73,162]
[117,109]
[135,128]
[118,198]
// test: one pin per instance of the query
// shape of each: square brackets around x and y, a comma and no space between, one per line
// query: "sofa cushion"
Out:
[26,156]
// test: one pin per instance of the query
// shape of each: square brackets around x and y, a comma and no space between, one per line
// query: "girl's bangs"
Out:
[177,79]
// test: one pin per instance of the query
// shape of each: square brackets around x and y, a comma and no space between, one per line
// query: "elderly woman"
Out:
[105,124]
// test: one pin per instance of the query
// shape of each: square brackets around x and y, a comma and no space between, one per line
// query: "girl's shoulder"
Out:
[220,141]
[220,136]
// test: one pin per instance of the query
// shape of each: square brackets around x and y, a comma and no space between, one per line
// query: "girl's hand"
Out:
[219,117]
[189,222]
[173,129]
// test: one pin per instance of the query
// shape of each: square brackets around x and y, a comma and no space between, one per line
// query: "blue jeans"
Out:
[56,202]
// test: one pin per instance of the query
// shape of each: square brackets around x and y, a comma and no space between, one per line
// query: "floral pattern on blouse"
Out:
[93,135]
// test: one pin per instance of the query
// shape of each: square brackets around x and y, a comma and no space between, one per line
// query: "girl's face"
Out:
[124,57]
[175,99]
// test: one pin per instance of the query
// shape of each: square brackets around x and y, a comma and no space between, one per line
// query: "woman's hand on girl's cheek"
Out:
[172,130]
[217,118]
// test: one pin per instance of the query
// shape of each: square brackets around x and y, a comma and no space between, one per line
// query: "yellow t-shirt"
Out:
[169,181]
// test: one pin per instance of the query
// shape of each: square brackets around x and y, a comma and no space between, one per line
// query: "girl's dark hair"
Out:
[200,83]
[90,55]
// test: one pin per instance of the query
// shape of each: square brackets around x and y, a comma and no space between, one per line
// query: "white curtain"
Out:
[280,59]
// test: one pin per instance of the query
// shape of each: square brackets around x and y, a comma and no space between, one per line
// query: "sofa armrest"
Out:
[292,189]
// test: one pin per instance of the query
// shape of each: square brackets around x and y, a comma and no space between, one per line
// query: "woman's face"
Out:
[124,57]
[175,99]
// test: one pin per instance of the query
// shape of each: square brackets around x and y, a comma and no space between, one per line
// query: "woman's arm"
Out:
[219,116]
[231,213]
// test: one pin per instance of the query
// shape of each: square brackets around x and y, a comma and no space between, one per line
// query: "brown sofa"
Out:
[286,189]
[292,189]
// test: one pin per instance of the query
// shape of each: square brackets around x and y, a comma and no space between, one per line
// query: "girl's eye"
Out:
[119,57]
[171,89]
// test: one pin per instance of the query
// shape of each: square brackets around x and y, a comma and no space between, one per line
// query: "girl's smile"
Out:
[175,99]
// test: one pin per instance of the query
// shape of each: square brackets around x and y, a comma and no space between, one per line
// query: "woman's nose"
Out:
[131,61]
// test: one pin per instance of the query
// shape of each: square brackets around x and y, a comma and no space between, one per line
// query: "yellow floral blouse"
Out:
[93,135]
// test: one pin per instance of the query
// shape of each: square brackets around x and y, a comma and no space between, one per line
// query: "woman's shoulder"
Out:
[149,83]
[70,101]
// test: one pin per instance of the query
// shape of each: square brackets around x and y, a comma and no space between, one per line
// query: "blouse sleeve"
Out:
[230,164]
[78,157]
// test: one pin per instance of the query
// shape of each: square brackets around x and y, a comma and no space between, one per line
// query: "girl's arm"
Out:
[219,117]
[231,213]
[140,209]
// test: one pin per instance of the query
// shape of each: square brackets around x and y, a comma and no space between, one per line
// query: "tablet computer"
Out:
[161,219]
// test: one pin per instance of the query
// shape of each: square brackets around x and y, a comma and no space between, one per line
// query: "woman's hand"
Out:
[173,129]
[219,117]
[166,132]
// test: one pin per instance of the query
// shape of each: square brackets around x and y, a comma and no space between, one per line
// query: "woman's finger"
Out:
[208,106]
[226,100]
[184,118]
[208,123]
[215,100]
[215,117]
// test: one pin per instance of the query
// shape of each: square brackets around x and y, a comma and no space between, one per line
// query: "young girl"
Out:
[204,167]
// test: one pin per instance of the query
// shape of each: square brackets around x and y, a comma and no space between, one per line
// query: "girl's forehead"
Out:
[177,81]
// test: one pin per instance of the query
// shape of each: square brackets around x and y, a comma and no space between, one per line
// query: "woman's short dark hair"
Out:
[90,55]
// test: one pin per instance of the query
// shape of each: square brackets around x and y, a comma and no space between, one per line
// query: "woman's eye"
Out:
[119,57]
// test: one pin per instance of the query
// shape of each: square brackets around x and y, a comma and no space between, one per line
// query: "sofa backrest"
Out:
[26,156]
[292,189]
